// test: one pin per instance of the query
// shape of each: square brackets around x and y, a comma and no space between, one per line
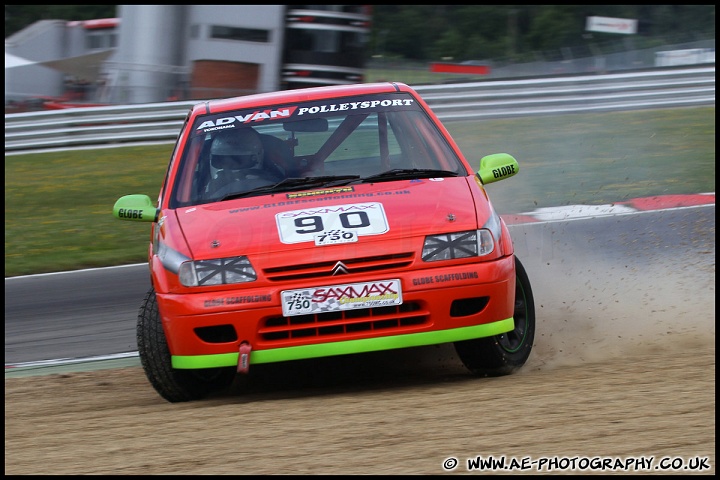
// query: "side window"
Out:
[174,156]
[422,144]
[192,173]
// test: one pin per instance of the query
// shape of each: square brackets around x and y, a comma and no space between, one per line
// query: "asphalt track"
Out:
[85,320]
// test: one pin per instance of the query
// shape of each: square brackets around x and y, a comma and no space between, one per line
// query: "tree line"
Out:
[471,32]
[517,32]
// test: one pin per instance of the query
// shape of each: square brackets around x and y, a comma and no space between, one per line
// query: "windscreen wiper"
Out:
[403,173]
[296,183]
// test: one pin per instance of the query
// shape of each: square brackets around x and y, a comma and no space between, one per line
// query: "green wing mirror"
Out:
[138,208]
[497,166]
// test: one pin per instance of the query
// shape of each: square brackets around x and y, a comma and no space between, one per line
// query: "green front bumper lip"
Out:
[346,347]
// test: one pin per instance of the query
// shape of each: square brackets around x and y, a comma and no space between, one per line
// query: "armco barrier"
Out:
[161,122]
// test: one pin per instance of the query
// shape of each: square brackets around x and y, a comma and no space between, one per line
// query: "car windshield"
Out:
[310,145]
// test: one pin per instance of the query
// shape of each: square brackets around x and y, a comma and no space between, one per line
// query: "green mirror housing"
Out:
[497,166]
[138,208]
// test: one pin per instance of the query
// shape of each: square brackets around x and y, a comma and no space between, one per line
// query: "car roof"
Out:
[298,95]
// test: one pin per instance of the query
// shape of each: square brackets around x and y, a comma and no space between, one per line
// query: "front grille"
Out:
[391,319]
[306,271]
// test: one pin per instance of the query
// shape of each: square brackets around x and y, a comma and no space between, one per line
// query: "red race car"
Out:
[324,221]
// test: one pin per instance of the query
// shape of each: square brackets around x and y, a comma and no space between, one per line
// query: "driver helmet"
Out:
[237,149]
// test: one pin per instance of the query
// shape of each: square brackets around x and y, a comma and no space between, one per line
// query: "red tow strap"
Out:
[244,358]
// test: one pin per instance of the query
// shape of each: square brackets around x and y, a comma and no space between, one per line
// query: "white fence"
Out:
[161,122]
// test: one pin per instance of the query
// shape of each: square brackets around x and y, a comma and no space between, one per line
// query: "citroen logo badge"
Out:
[339,269]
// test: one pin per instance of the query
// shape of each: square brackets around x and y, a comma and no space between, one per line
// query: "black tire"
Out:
[503,354]
[174,385]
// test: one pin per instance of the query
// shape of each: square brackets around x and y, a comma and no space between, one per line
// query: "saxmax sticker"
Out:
[333,298]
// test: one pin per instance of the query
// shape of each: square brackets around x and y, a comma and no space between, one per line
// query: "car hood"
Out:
[286,221]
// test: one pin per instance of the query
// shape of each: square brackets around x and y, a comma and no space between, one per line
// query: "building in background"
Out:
[155,53]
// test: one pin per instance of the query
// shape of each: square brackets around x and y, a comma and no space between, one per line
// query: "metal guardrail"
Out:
[161,122]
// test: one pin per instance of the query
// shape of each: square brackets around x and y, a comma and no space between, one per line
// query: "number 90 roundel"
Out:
[342,222]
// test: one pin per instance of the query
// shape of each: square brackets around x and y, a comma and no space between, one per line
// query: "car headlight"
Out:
[475,243]
[220,271]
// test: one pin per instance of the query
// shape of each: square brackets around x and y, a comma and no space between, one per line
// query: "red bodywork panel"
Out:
[437,295]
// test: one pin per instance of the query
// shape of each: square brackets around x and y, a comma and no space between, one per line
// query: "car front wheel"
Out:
[507,352]
[174,385]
